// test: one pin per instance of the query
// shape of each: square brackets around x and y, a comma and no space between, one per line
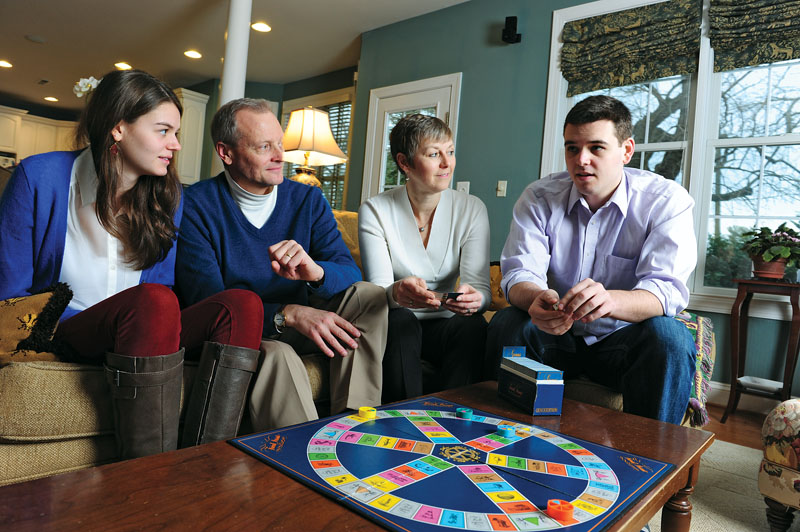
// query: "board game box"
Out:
[536,388]
[433,465]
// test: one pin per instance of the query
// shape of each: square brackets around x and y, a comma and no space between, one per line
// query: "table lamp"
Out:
[308,141]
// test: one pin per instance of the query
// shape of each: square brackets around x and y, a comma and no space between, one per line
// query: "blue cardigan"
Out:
[33,228]
[218,248]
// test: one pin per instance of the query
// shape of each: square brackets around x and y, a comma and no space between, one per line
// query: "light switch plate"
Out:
[501,189]
[462,186]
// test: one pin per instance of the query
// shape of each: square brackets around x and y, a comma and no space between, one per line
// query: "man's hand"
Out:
[587,301]
[467,303]
[290,260]
[412,292]
[328,330]
[543,315]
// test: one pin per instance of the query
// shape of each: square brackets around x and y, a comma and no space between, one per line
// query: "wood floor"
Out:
[741,427]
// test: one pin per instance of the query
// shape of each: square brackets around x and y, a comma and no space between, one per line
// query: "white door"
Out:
[387,105]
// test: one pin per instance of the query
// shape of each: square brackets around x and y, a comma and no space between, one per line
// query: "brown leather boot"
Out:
[145,396]
[218,394]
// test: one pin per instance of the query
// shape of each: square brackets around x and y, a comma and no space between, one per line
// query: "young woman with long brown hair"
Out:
[104,220]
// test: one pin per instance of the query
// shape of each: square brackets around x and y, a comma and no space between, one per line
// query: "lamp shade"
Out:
[309,135]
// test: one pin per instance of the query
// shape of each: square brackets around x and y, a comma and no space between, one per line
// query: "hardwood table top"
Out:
[218,487]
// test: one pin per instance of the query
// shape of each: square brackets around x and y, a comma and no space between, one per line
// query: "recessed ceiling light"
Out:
[261,26]
[5,64]
[51,98]
[194,54]
[122,65]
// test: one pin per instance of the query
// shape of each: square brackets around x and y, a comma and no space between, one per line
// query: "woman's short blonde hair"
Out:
[412,131]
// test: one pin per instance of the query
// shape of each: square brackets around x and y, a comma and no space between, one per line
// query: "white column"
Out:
[234,67]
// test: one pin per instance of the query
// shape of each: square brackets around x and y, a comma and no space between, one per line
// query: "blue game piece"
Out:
[507,430]
[464,413]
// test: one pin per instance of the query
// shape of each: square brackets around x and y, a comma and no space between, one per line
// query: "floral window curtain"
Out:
[753,32]
[631,46]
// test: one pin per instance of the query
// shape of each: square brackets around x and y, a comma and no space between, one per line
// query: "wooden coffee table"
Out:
[218,487]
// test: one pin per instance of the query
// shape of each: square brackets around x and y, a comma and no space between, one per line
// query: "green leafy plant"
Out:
[769,245]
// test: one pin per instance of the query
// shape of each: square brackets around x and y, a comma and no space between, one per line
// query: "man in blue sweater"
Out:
[248,228]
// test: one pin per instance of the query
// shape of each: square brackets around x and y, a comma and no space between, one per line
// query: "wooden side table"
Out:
[739,382]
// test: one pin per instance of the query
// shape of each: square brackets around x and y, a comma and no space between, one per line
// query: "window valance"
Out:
[631,46]
[753,32]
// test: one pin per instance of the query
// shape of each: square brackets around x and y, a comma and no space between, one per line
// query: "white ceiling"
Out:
[86,37]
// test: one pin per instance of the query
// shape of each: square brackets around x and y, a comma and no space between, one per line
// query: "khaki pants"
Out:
[281,393]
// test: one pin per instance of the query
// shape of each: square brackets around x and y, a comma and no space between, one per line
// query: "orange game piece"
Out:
[560,510]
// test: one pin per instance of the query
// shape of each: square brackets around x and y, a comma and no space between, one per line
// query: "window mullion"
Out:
[763,149]
[703,120]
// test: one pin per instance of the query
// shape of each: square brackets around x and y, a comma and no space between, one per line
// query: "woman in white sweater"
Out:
[429,246]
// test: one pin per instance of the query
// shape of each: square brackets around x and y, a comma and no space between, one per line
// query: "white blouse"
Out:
[458,247]
[94,263]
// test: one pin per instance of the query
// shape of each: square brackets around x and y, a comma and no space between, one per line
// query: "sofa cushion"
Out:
[20,463]
[49,401]
[318,368]
[44,401]
[27,325]
[347,222]
[499,301]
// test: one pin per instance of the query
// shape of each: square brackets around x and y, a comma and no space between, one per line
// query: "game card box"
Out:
[420,467]
[536,388]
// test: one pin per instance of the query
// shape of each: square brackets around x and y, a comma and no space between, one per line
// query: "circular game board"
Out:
[437,469]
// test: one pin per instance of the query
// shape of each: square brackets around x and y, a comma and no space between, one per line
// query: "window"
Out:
[756,164]
[339,106]
[731,138]
[660,115]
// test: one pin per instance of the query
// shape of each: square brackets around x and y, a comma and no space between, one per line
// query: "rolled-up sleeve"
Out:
[669,253]
[526,254]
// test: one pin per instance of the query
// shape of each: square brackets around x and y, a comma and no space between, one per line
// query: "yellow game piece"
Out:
[367,412]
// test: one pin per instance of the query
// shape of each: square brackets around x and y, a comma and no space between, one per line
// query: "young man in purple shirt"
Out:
[595,267]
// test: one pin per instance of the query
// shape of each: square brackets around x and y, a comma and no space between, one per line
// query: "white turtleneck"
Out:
[256,207]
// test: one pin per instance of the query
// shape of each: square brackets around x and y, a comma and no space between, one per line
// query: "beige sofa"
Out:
[55,416]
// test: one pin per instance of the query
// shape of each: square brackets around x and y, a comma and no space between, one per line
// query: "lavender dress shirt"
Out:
[641,239]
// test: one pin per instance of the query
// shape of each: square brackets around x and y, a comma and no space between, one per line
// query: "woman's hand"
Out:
[467,303]
[412,292]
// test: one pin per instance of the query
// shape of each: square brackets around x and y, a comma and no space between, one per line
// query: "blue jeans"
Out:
[652,363]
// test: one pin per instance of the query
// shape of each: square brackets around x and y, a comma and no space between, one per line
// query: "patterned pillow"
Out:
[498,297]
[27,325]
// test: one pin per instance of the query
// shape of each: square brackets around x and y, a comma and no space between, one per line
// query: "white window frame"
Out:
[699,152]
[375,132]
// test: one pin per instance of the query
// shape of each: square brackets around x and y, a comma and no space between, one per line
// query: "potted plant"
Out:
[771,251]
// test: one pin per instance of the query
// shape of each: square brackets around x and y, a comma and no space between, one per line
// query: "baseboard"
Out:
[719,392]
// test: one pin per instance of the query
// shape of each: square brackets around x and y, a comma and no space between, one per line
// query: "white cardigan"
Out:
[458,246]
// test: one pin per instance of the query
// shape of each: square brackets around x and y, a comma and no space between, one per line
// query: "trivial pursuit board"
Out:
[419,467]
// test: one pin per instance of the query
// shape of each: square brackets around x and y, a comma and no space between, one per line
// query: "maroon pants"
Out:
[146,320]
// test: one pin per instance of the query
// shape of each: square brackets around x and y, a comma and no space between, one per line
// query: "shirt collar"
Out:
[618,198]
[86,177]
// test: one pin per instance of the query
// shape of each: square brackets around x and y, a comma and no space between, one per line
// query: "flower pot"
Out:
[769,270]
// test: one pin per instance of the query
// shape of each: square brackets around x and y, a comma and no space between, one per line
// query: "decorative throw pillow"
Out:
[498,297]
[27,325]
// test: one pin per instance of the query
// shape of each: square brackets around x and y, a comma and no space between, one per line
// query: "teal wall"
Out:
[767,341]
[331,81]
[503,91]
[501,121]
